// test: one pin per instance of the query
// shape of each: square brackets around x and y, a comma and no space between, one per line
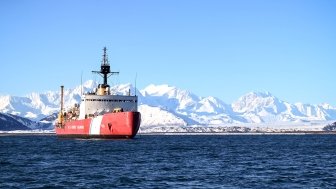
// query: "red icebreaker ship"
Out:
[100,114]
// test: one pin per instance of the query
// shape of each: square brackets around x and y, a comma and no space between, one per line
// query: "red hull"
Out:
[110,125]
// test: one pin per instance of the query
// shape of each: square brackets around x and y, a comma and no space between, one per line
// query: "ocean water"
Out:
[154,161]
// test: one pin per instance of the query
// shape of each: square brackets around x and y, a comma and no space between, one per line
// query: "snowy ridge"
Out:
[168,106]
[12,122]
[259,107]
[159,117]
[36,106]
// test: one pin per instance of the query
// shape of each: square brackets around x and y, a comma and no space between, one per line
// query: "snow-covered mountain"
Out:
[182,101]
[259,107]
[12,122]
[36,106]
[164,105]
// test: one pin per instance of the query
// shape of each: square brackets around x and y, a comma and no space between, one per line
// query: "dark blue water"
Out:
[280,161]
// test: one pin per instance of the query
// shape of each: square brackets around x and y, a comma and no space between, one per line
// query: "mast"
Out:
[105,70]
[62,101]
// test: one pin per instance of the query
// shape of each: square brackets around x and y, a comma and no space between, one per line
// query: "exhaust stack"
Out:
[60,114]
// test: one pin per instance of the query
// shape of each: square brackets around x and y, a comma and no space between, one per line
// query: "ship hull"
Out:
[110,125]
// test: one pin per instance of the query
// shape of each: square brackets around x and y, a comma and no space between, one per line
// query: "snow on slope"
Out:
[170,106]
[156,116]
[12,122]
[36,106]
[168,97]
[182,101]
[260,107]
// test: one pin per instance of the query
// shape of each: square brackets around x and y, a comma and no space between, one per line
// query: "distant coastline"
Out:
[48,133]
[247,133]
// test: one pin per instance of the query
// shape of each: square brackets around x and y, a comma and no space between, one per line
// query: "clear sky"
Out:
[212,48]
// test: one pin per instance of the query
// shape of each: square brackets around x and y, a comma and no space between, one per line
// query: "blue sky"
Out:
[212,48]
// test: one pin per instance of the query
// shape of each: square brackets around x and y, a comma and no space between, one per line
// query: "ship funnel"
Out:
[60,114]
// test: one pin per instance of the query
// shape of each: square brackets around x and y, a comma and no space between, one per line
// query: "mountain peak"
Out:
[177,104]
[263,94]
[158,90]
[90,84]
[257,102]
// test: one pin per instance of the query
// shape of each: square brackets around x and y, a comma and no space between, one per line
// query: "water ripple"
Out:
[305,161]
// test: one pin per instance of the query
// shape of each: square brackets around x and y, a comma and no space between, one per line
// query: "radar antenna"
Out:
[105,70]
